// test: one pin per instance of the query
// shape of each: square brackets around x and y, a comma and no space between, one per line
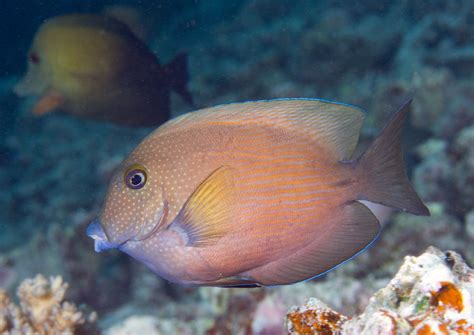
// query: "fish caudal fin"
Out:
[382,172]
[177,73]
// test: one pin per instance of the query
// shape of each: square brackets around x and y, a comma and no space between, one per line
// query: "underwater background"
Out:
[54,169]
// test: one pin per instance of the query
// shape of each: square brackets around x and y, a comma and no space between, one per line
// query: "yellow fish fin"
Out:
[48,103]
[349,233]
[207,214]
[332,126]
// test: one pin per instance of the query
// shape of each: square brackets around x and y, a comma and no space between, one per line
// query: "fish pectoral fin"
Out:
[48,103]
[207,214]
[341,239]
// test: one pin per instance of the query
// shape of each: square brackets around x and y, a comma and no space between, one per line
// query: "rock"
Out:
[431,98]
[153,325]
[144,324]
[430,294]
[447,170]
[314,318]
[470,225]
[464,169]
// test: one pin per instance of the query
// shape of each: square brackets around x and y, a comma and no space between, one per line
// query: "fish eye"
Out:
[34,58]
[135,177]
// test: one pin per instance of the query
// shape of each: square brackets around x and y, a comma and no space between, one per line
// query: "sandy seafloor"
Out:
[374,54]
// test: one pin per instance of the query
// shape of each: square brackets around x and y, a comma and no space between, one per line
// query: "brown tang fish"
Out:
[93,66]
[255,193]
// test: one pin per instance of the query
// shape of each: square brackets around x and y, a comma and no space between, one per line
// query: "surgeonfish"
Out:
[254,193]
[93,66]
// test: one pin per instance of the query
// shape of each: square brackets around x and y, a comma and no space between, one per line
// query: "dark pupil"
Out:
[136,179]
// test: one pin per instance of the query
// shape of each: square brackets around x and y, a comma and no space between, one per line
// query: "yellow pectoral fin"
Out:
[48,103]
[207,214]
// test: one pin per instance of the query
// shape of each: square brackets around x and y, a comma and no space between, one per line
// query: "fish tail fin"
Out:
[381,170]
[178,76]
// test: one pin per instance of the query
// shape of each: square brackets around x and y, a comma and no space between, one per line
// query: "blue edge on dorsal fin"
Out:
[291,99]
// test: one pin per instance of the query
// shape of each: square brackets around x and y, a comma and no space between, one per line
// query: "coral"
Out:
[65,249]
[463,150]
[430,294]
[446,171]
[153,325]
[439,39]
[369,42]
[315,318]
[431,98]
[410,235]
[43,311]
[239,310]
[136,325]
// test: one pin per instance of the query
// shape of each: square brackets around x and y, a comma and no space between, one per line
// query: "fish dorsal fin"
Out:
[350,233]
[332,126]
[207,214]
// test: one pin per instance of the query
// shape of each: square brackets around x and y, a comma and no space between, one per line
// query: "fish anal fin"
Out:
[235,281]
[48,103]
[350,233]
[207,214]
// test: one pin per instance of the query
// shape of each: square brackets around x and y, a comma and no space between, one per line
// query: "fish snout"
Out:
[96,232]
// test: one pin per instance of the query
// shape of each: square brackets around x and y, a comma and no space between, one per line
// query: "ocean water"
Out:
[55,168]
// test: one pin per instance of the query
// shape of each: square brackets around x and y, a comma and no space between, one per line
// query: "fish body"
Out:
[93,66]
[256,193]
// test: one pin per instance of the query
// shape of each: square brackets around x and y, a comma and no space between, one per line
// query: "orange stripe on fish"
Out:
[259,193]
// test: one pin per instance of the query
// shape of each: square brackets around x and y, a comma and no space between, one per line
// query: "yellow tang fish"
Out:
[93,66]
[255,193]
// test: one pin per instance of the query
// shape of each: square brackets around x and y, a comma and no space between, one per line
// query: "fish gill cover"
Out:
[54,169]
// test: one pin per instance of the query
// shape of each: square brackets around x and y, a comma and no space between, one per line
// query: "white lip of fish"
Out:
[101,243]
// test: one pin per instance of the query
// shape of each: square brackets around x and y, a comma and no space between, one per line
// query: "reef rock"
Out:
[136,325]
[430,294]
[42,310]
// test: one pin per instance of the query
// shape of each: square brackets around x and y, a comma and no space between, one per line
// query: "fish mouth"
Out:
[97,233]
[101,242]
